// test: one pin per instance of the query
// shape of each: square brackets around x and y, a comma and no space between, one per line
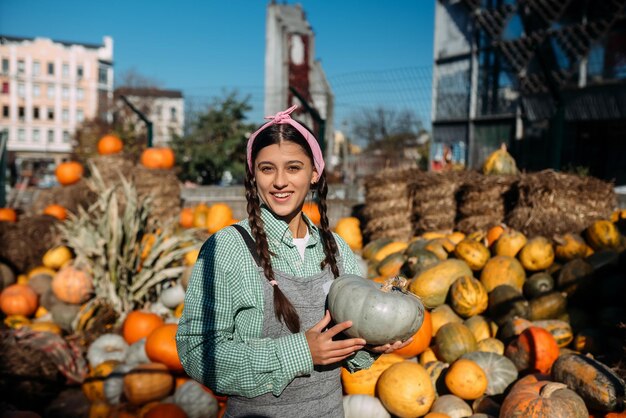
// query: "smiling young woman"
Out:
[254,324]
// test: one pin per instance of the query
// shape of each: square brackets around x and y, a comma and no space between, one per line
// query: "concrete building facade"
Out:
[47,88]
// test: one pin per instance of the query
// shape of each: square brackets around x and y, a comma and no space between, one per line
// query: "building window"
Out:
[80,115]
[50,91]
[36,68]
[5,65]
[21,68]
[21,90]
[102,75]
[79,72]
[66,137]
[50,136]
[65,92]
[50,68]
[36,135]
[65,70]
[5,111]
[21,135]
[35,113]
[173,114]
[80,94]
[5,87]
[50,114]
[21,112]
[65,114]
[36,90]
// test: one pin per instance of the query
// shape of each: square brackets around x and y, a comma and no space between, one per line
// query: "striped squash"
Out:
[468,297]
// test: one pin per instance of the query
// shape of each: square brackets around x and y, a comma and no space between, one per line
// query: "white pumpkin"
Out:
[107,347]
[451,405]
[173,296]
[114,384]
[363,406]
[137,353]
[160,309]
[195,401]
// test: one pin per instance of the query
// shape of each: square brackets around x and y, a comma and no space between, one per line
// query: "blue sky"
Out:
[379,48]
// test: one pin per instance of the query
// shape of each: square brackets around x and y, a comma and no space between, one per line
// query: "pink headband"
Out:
[284,118]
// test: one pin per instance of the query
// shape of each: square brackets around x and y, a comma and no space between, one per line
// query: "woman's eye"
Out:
[293,168]
[266,169]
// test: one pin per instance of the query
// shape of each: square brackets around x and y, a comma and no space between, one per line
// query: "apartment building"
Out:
[47,88]
[164,108]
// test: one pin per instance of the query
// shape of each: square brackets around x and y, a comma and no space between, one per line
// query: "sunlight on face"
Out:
[284,174]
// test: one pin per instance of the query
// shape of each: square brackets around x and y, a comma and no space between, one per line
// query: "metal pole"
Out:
[143,117]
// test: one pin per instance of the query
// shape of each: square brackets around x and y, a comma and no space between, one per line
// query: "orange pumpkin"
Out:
[363,382]
[168,158]
[218,217]
[200,215]
[421,339]
[57,211]
[165,410]
[473,253]
[72,285]
[186,218]
[18,299]
[466,379]
[139,324]
[158,158]
[110,144]
[161,347]
[602,234]
[510,243]
[405,390]
[69,172]
[312,211]
[493,234]
[350,230]
[8,215]
[534,349]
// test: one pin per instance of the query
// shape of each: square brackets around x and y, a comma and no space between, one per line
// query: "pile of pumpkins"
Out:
[513,326]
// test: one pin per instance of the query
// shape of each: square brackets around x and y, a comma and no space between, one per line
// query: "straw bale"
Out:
[388,222]
[403,233]
[476,223]
[384,208]
[111,166]
[164,187]
[70,197]
[26,241]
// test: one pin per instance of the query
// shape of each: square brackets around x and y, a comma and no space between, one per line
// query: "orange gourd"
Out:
[405,389]
[8,215]
[218,217]
[147,382]
[200,215]
[72,285]
[350,230]
[537,254]
[158,158]
[466,379]
[139,324]
[312,211]
[535,349]
[602,234]
[161,347]
[421,339]
[186,218]
[57,211]
[493,234]
[168,158]
[473,253]
[18,299]
[509,243]
[110,144]
[69,172]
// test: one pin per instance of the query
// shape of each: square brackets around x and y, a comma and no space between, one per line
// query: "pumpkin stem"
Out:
[395,283]
[550,388]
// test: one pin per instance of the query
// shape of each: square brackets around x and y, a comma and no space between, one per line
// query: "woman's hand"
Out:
[324,350]
[389,348]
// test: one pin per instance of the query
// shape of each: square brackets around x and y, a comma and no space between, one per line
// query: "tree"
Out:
[216,142]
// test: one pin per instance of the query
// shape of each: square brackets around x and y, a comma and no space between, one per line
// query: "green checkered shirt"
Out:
[219,334]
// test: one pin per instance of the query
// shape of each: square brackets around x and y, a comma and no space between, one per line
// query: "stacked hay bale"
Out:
[483,201]
[25,242]
[164,188]
[434,202]
[388,205]
[70,197]
[554,203]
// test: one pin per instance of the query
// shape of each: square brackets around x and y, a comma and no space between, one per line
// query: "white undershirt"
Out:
[301,243]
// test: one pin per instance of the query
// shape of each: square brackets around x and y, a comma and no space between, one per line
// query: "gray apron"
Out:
[316,395]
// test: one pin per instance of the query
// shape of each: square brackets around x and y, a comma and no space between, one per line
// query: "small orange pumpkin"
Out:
[466,379]
[312,211]
[72,285]
[110,144]
[534,349]
[405,389]
[57,211]
[139,324]
[218,217]
[69,172]
[161,347]
[18,299]
[158,158]
[8,215]
[186,218]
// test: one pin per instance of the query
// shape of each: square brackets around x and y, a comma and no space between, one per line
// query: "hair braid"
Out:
[330,245]
[283,309]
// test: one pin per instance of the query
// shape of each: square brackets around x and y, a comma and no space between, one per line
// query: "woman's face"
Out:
[284,173]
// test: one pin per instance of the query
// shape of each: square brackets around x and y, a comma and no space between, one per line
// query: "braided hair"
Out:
[275,134]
